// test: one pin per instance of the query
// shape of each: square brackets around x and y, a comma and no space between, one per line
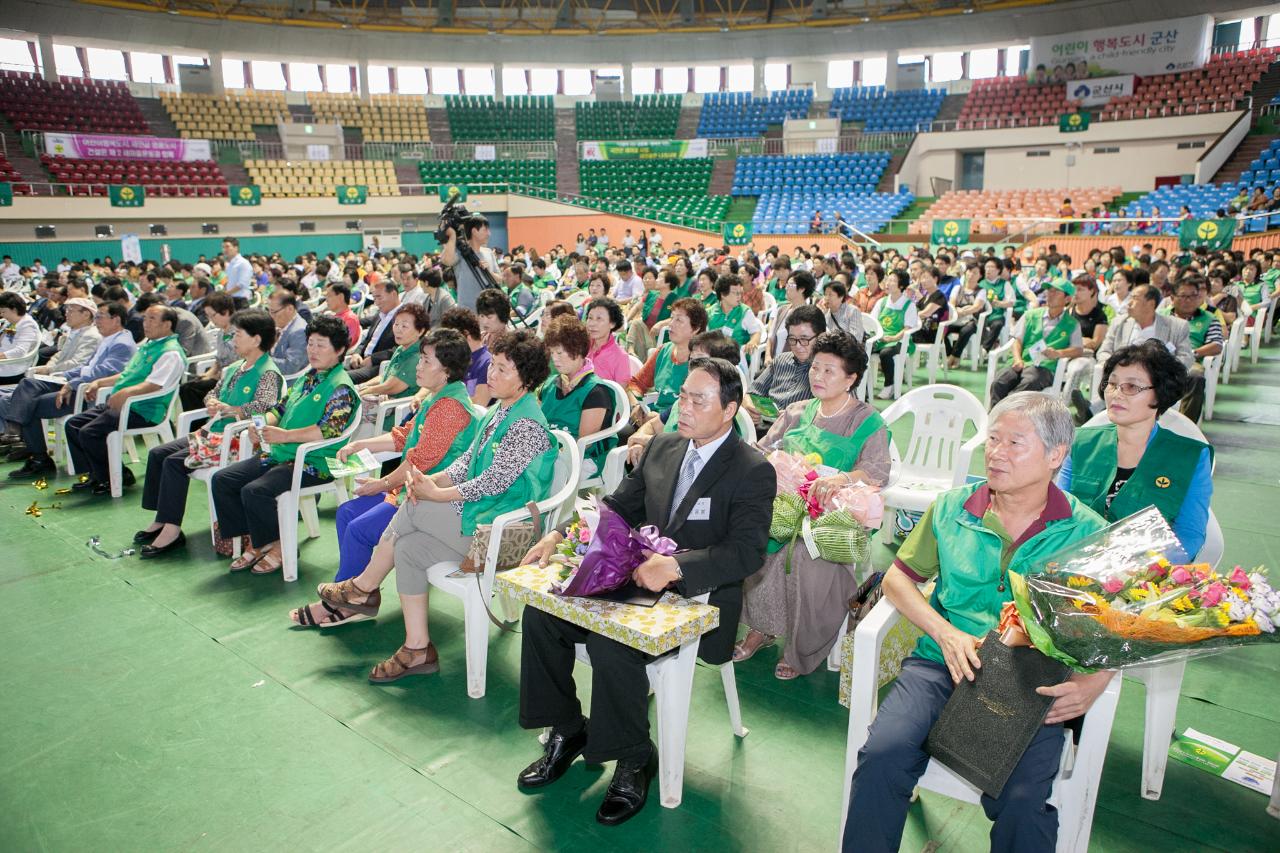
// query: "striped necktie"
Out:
[688,473]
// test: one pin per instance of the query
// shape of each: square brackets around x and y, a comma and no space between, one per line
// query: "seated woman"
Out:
[604,319]
[573,398]
[704,288]
[968,301]
[1119,468]
[842,316]
[251,386]
[321,405]
[464,321]
[732,317]
[668,365]
[647,316]
[398,378]
[808,602]
[704,345]
[898,319]
[598,287]
[509,463]
[439,433]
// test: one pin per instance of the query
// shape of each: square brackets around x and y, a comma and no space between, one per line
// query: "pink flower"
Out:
[1213,595]
[1111,587]
[1240,579]
[584,535]
[1180,576]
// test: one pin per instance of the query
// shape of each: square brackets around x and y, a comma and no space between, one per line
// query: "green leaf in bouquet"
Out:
[1039,637]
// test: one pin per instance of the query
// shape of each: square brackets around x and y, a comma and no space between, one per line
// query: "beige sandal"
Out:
[401,665]
[341,594]
[247,560]
[745,649]
[268,563]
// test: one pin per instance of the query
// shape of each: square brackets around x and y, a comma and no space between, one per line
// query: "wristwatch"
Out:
[679,572]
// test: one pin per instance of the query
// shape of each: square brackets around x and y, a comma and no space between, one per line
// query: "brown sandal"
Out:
[247,560]
[268,563]
[401,665]
[743,650]
[340,595]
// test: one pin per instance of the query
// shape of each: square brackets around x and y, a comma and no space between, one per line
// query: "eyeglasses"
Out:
[1128,389]
[792,340]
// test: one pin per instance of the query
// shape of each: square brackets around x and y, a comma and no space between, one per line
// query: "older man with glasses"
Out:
[786,379]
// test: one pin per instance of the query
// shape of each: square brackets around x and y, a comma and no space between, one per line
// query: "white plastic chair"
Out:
[671,680]
[937,457]
[874,333]
[57,426]
[621,417]
[205,475]
[1253,334]
[931,353]
[1231,353]
[900,360]
[1075,788]
[302,499]
[152,436]
[635,362]
[20,364]
[1213,365]
[476,590]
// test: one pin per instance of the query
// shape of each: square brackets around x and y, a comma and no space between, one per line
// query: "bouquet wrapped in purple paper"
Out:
[613,552]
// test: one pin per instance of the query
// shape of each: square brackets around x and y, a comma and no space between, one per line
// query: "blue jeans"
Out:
[893,759]
[360,525]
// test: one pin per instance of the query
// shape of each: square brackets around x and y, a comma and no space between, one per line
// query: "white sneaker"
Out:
[886,393]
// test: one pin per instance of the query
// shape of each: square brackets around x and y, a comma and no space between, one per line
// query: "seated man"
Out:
[1040,338]
[713,494]
[367,356]
[157,362]
[290,351]
[786,379]
[968,542]
[1205,337]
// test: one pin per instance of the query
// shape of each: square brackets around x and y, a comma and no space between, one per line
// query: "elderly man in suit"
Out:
[290,351]
[379,341]
[713,494]
[1144,324]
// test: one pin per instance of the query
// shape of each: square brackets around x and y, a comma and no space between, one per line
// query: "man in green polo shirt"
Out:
[967,543]
[1041,337]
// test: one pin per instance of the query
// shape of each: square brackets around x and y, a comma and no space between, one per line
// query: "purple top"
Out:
[479,372]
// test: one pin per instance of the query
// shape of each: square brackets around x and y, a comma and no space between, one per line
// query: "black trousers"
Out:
[192,393]
[1192,405]
[164,490]
[963,333]
[619,728]
[1031,378]
[887,355]
[363,374]
[87,438]
[244,498]
[991,331]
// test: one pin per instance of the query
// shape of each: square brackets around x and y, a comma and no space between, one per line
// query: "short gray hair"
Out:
[1050,417]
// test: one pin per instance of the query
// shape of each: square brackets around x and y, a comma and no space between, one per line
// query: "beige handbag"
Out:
[517,539]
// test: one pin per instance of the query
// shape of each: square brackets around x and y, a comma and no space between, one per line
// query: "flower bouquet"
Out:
[1115,600]
[602,551]
[837,533]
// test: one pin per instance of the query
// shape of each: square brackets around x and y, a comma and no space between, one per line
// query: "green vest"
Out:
[731,321]
[779,293]
[710,301]
[668,377]
[566,412]
[1059,337]
[453,391]
[968,593]
[892,321]
[243,390]
[396,364]
[1199,327]
[1161,479]
[664,311]
[534,483]
[1252,292]
[139,368]
[305,410]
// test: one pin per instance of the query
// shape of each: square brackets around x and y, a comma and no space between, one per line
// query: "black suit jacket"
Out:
[719,553]
[380,350]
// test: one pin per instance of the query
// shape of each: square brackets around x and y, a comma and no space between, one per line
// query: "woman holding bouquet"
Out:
[794,595]
[1132,462]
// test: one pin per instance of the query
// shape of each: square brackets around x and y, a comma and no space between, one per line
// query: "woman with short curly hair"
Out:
[574,399]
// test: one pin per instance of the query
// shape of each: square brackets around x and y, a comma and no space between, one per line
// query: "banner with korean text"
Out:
[103,146]
[1100,90]
[1158,47]
[672,150]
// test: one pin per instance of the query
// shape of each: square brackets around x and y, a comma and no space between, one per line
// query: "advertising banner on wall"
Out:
[673,150]
[104,146]
[1159,47]
[1100,90]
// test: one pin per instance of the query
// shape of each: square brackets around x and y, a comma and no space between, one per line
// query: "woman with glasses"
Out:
[1132,462]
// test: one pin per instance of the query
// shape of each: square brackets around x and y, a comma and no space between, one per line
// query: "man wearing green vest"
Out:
[1040,338]
[968,542]
[159,362]
[1206,335]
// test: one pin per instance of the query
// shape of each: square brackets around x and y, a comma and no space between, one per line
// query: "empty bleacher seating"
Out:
[70,105]
[230,116]
[383,118]
[686,210]
[884,111]
[519,118]
[166,178]
[790,213]
[303,178]
[539,174]
[647,117]
[643,178]
[853,173]
[740,114]
[1264,171]
[990,211]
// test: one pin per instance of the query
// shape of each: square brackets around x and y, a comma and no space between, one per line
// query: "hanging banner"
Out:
[674,150]
[1073,122]
[318,151]
[737,233]
[1095,93]
[245,196]
[486,152]
[1159,47]
[131,248]
[103,146]
[353,194]
[1214,234]
[447,191]
[6,195]
[126,195]
[950,232]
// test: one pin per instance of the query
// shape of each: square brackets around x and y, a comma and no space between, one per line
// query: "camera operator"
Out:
[475,231]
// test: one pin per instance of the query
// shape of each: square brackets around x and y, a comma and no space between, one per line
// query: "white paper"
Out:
[1036,354]
[1252,771]
[1210,740]
[357,463]
[53,379]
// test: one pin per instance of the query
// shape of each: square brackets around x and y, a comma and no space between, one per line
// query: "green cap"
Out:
[1063,285]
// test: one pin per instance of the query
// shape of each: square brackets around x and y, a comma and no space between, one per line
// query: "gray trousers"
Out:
[425,533]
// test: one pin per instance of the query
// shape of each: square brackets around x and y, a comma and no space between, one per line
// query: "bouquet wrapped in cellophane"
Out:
[1115,600]
[837,533]
[600,551]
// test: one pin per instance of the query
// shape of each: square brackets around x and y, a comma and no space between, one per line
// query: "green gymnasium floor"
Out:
[167,705]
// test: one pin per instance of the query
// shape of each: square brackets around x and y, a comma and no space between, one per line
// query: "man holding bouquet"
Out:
[712,494]
[968,542]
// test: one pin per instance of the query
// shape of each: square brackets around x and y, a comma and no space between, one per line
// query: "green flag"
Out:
[950,232]
[6,195]
[127,195]
[447,190]
[353,194]
[1073,122]
[737,233]
[245,195]
[1213,234]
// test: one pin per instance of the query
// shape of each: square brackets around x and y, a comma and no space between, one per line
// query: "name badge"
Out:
[701,510]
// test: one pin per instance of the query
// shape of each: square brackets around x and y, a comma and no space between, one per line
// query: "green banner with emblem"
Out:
[737,233]
[126,195]
[6,195]
[449,190]
[1213,234]
[675,149]
[1073,122]
[245,195]
[950,232]
[353,194]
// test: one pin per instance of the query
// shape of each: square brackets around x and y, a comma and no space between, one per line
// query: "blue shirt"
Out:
[239,277]
[478,374]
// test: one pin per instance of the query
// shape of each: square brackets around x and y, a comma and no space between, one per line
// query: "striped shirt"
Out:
[785,381]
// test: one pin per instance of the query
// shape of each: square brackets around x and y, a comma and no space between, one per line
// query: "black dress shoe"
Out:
[628,791]
[33,467]
[146,537]
[558,753]
[150,552]
[85,486]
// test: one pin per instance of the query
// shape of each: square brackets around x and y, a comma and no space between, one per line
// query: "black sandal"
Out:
[335,617]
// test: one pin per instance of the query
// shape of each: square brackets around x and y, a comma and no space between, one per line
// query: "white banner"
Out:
[1159,47]
[1096,92]
[318,151]
[486,152]
[696,148]
[131,248]
[827,145]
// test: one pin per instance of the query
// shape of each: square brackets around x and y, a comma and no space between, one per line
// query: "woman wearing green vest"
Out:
[320,405]
[1000,295]
[574,399]
[647,316]
[251,386]
[1131,462]
[1040,338]
[439,433]
[398,377]
[732,317]
[509,463]
[898,318]
[668,365]
[795,595]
